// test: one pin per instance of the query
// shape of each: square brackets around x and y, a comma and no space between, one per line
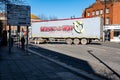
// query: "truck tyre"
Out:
[83,41]
[69,41]
[76,41]
[41,40]
[38,42]
[35,41]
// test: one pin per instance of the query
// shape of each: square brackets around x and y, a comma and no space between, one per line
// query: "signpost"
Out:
[18,15]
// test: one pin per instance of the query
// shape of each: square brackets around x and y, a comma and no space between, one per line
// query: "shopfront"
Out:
[114,32]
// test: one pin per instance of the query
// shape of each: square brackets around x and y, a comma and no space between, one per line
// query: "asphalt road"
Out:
[95,56]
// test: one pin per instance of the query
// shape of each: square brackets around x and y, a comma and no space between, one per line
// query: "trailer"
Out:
[76,31]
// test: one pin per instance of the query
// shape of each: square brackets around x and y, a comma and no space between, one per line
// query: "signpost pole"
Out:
[27,42]
[18,36]
[9,38]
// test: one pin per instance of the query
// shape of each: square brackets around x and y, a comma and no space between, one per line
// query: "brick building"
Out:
[110,13]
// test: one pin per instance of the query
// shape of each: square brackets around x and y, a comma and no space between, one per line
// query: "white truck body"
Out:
[88,28]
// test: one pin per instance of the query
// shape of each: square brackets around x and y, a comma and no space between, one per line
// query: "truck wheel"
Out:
[83,41]
[38,42]
[35,41]
[69,41]
[76,41]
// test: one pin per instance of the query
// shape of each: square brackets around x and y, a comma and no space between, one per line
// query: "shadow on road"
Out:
[95,43]
[92,43]
[71,61]
[114,72]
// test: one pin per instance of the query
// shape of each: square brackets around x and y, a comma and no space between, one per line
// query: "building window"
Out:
[101,11]
[97,12]
[107,10]
[107,21]
[117,32]
[88,14]
[93,13]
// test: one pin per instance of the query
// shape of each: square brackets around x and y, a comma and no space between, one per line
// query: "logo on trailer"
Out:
[55,28]
[78,26]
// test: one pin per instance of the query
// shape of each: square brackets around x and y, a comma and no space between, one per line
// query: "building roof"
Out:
[34,17]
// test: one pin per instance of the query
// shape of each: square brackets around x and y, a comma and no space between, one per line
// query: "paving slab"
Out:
[17,65]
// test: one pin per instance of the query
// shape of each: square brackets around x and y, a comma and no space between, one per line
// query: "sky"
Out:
[59,8]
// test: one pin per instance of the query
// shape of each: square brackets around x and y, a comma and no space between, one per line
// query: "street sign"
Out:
[18,15]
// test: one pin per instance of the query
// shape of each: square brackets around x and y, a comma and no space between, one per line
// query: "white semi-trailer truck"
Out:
[76,31]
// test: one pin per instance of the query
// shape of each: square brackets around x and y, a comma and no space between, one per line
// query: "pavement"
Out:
[18,65]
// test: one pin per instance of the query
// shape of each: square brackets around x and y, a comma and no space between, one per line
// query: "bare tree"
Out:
[53,18]
[44,17]
[3,3]
[12,1]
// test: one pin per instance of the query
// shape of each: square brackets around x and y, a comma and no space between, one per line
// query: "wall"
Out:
[116,13]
